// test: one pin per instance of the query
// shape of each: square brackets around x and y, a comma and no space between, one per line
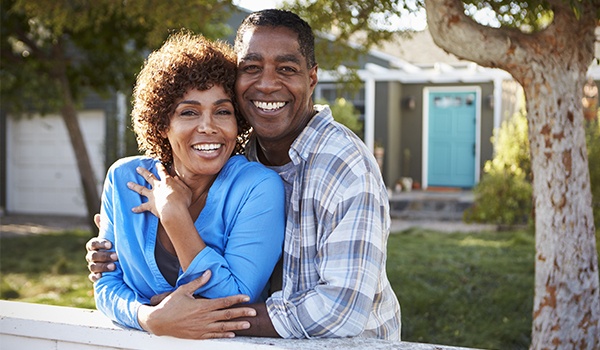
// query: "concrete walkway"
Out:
[22,225]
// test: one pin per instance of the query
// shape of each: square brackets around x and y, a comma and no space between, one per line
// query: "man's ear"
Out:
[313,76]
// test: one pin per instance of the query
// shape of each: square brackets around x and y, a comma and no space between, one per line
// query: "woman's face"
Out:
[202,132]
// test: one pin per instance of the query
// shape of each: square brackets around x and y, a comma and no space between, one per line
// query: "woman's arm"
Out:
[112,295]
[254,235]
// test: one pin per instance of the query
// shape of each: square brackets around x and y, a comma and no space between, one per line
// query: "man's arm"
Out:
[260,325]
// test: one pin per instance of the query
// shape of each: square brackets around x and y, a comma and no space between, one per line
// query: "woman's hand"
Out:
[167,193]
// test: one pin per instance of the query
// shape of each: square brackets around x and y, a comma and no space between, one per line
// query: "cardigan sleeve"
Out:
[253,247]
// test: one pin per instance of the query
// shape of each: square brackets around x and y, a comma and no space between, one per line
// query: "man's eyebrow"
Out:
[280,59]
[252,57]
[288,58]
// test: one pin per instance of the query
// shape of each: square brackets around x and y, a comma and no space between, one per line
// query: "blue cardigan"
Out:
[242,224]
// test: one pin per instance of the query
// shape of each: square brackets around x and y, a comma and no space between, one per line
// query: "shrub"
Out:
[504,194]
[592,133]
[344,112]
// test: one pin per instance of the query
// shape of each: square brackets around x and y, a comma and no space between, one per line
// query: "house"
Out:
[431,114]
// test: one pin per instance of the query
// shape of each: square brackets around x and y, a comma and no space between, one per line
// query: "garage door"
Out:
[42,175]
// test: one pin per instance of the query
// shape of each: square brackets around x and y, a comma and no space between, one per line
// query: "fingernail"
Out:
[246,325]
[110,266]
[252,312]
[129,185]
[113,256]
[206,273]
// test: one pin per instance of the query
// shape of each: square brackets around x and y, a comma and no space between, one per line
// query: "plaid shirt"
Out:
[334,277]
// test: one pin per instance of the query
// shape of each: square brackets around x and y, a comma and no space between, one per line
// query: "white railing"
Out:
[41,327]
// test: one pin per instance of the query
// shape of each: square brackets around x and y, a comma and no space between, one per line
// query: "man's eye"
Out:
[288,69]
[251,69]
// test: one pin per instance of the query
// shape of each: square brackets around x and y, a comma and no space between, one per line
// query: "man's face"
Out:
[274,85]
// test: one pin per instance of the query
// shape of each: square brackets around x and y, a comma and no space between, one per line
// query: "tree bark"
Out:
[69,113]
[551,66]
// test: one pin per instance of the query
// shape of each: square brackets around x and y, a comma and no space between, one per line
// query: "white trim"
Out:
[370,114]
[425,144]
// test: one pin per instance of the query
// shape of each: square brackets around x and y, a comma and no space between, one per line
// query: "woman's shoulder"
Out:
[133,162]
[239,167]
[240,164]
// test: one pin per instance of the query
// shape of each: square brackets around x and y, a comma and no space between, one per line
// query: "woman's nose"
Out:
[205,124]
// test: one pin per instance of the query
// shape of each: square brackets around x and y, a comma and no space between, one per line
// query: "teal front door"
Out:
[451,140]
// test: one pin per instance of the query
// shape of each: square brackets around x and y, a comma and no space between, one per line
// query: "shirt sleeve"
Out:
[254,246]
[349,254]
[113,296]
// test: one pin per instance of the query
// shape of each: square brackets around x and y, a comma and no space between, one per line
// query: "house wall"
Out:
[402,129]
[34,145]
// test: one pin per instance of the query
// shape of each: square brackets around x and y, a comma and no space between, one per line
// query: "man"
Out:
[334,277]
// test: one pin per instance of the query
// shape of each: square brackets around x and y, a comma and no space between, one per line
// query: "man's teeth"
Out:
[207,147]
[269,105]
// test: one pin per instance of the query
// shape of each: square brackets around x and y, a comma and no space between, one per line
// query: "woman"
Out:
[204,208]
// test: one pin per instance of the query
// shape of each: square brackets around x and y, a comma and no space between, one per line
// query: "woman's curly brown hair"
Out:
[185,61]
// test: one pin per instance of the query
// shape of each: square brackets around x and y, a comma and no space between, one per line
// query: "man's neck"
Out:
[272,154]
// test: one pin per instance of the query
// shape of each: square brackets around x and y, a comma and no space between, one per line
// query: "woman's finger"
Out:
[139,189]
[162,171]
[146,175]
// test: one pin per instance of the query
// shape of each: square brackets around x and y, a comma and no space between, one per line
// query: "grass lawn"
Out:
[463,289]
[472,290]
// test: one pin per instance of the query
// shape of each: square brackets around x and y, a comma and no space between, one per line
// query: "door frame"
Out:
[425,137]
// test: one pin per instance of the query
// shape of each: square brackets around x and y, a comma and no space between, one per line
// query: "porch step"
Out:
[430,205]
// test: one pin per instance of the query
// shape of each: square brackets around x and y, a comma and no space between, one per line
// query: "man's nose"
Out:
[268,81]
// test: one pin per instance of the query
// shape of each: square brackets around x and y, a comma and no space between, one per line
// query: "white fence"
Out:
[41,327]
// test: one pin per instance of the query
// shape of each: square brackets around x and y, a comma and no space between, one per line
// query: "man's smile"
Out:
[269,106]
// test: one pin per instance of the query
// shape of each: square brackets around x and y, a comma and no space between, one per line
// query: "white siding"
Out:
[42,173]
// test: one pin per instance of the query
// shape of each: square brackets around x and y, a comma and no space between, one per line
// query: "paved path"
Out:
[22,225]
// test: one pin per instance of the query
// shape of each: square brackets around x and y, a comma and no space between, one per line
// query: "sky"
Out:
[257,5]
[417,23]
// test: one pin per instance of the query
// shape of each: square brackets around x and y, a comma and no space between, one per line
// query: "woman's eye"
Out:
[188,113]
[224,112]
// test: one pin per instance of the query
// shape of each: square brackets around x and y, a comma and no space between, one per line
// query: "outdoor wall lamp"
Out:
[489,101]
[410,103]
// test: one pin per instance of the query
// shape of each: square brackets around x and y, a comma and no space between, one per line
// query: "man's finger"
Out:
[100,257]
[93,277]
[101,267]
[97,244]
[97,220]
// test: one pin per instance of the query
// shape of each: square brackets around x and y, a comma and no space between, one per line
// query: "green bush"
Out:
[344,112]
[504,194]
[592,133]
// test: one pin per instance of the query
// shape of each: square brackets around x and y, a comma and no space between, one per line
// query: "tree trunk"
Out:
[551,66]
[69,114]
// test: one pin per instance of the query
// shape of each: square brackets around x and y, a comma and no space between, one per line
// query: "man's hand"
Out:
[181,315]
[98,259]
